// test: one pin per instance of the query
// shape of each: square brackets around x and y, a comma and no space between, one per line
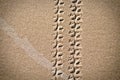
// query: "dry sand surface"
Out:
[36,39]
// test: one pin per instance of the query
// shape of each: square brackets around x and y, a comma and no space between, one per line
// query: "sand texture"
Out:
[59,39]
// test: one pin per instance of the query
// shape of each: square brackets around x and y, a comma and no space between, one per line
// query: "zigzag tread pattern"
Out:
[57,54]
[75,40]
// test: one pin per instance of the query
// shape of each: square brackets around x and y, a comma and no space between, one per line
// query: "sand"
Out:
[27,40]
